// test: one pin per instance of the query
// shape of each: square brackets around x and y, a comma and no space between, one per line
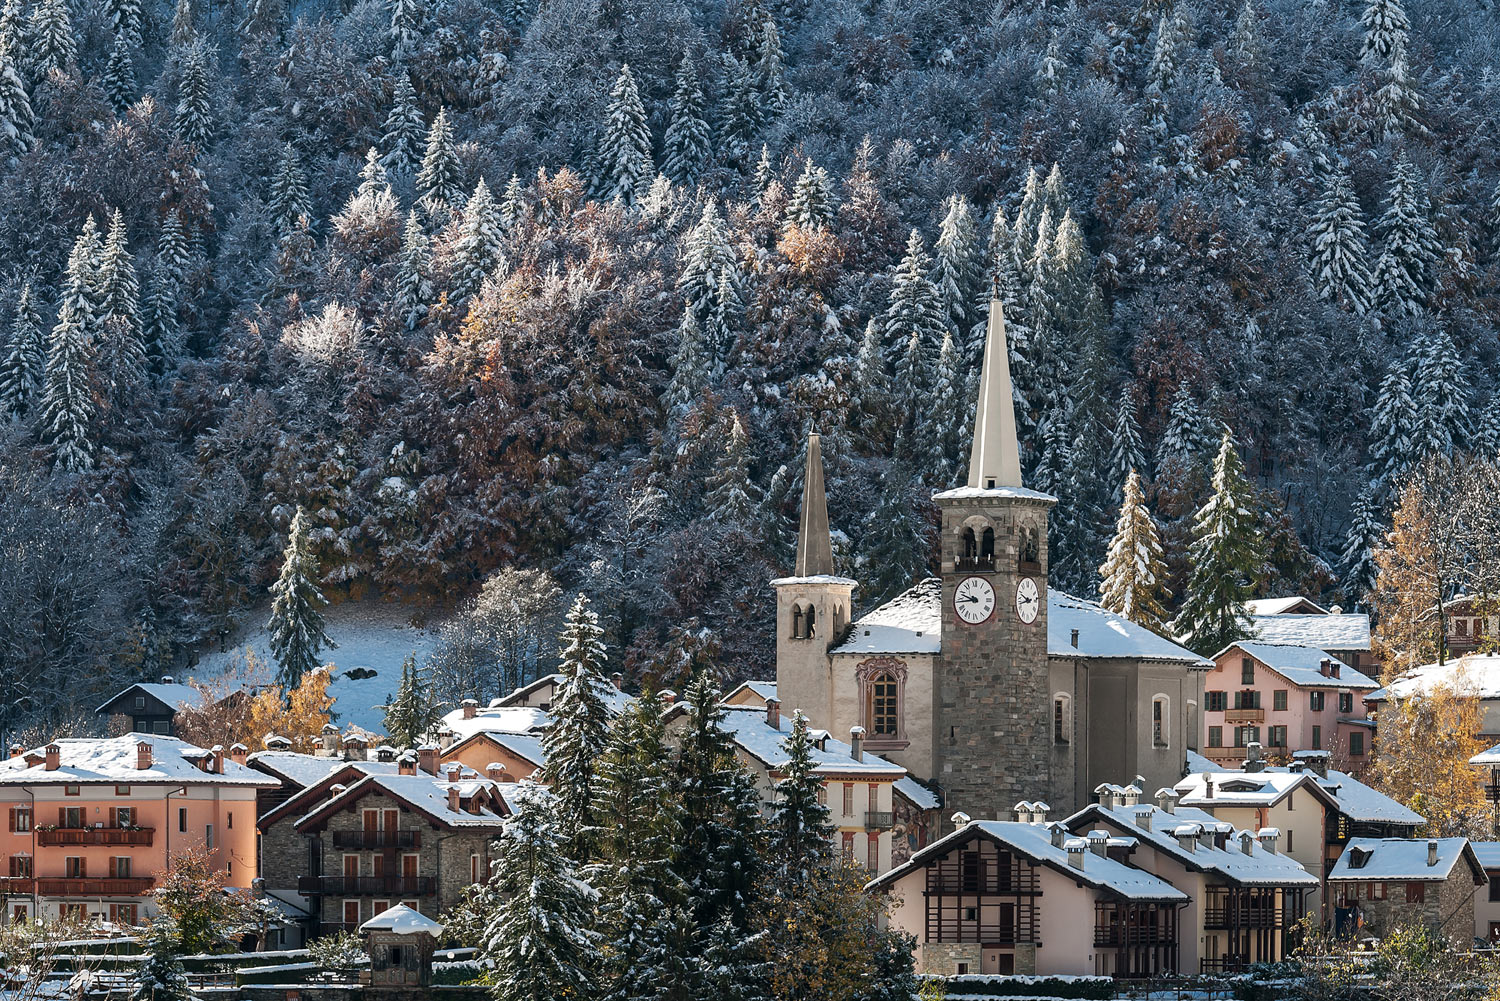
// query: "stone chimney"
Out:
[406,764]
[1076,848]
[1166,799]
[167,679]
[276,742]
[1316,760]
[1143,818]
[216,754]
[1039,811]
[1074,639]
[1058,834]
[1325,667]
[1334,668]
[239,753]
[1254,762]
[470,708]
[1247,842]
[857,743]
[356,748]
[618,680]
[331,745]
[494,770]
[142,756]
[54,757]
[773,713]
[1208,787]
[1106,793]
[1099,842]
[454,770]
[1130,796]
[1187,836]
[1268,837]
[1023,812]
[427,759]
[453,798]
[1432,852]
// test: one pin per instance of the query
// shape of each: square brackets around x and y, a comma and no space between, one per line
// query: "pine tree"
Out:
[406,26]
[1441,395]
[765,171]
[296,623]
[1162,71]
[1051,68]
[173,255]
[1028,222]
[161,975]
[17,121]
[438,180]
[413,287]
[541,939]
[947,416]
[960,266]
[1133,577]
[404,130]
[690,368]
[731,496]
[1361,541]
[119,77]
[194,118]
[68,410]
[123,354]
[22,370]
[915,312]
[160,330]
[1226,557]
[512,205]
[1189,434]
[124,17]
[740,115]
[709,285]
[477,254]
[1387,30]
[517,16]
[1126,453]
[1245,42]
[623,165]
[184,32]
[871,379]
[1393,420]
[686,149]
[289,201]
[1397,100]
[1339,255]
[895,552]
[800,828]
[413,711]
[811,204]
[770,75]
[1409,246]
[53,45]
[580,714]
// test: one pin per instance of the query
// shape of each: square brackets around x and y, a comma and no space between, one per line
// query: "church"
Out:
[983,682]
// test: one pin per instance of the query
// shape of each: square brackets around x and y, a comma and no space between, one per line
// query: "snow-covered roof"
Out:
[1237,788]
[1259,868]
[1488,853]
[1346,631]
[821,578]
[295,767]
[614,698]
[1351,797]
[526,746]
[1302,665]
[1403,858]
[169,694]
[1199,763]
[917,794]
[421,792]
[403,920]
[314,793]
[1034,841]
[498,719]
[112,761]
[1476,673]
[764,691]
[912,623]
[992,493]
[1489,756]
[1279,606]
[757,738]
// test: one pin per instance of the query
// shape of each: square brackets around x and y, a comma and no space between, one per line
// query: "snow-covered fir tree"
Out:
[961,269]
[296,623]
[122,352]
[731,499]
[119,76]
[413,293]
[161,976]
[623,167]
[800,826]
[404,134]
[1133,577]
[915,314]
[23,367]
[184,31]
[740,112]
[1397,100]
[1387,30]
[406,26]
[439,179]
[811,204]
[707,257]
[194,119]
[53,46]
[124,17]
[1393,420]
[947,418]
[1051,68]
[872,382]
[289,201]
[413,711]
[1246,43]
[1361,540]
[687,146]
[580,713]
[1165,56]
[1340,257]
[17,120]
[1409,246]
[1189,434]
[477,255]
[894,553]
[770,73]
[512,205]
[1442,396]
[540,940]
[1126,453]
[765,171]
[690,367]
[1226,558]
[68,408]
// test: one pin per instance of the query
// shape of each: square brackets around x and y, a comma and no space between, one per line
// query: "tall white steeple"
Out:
[995,460]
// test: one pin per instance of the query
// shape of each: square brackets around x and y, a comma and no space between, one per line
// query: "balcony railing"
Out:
[354,886]
[876,821]
[1220,918]
[56,836]
[89,886]
[1244,715]
[17,884]
[1125,936]
[377,839]
[982,564]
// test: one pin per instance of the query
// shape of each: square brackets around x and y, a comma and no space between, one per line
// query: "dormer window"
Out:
[1359,858]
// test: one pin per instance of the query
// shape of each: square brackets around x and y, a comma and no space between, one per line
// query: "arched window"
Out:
[810,622]
[1030,548]
[970,549]
[883,705]
[1161,720]
[1062,718]
[882,684]
[987,548]
[796,622]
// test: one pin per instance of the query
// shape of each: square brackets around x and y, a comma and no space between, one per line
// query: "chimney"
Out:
[1076,848]
[453,798]
[1254,763]
[618,680]
[337,789]
[406,764]
[1268,836]
[454,770]
[355,748]
[1039,811]
[667,696]
[1130,795]
[1316,760]
[1099,842]
[54,757]
[217,754]
[276,742]
[773,713]
[1247,842]
[142,756]
[1058,834]
[857,743]
[238,753]
[1297,767]
[470,707]
[1325,667]
[1106,793]
[1166,799]
[1143,819]
[494,770]
[167,679]
[427,759]
[1208,787]
[1187,837]
[1023,812]
[1432,852]
[330,740]
[16,750]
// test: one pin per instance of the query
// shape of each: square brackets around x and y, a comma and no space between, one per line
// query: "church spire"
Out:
[996,459]
[814,546]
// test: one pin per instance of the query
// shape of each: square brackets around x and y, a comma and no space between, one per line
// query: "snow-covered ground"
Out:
[370,635]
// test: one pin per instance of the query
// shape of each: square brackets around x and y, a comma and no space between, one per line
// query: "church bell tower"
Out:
[993,731]
[812,606]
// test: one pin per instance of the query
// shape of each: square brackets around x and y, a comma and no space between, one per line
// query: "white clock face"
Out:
[1028,603]
[974,599]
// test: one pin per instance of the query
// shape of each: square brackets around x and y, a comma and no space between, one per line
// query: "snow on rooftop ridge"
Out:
[1399,858]
[403,920]
[1476,673]
[115,760]
[1347,631]
[1303,665]
[911,622]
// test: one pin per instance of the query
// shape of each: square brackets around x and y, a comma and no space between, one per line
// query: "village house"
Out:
[1287,699]
[92,824]
[1026,897]
[510,757]
[1487,901]
[151,707]
[1247,896]
[1477,675]
[1469,627]
[1380,884]
[1298,621]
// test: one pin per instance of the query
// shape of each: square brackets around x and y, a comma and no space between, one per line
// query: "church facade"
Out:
[983,682]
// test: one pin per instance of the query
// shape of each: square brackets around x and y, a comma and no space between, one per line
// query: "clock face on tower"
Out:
[1028,604]
[974,600]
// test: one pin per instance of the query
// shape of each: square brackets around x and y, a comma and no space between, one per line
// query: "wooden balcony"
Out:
[121,836]
[1222,918]
[17,885]
[1244,715]
[356,886]
[377,839]
[89,886]
[1118,935]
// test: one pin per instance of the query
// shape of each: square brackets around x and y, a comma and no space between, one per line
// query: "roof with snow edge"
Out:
[912,622]
[1259,789]
[403,920]
[526,746]
[1477,672]
[1488,854]
[1302,665]
[423,793]
[1489,756]
[1034,842]
[1353,798]
[316,792]
[917,794]
[112,760]
[762,690]
[171,695]
[294,766]
[499,719]
[1279,606]
[1404,858]
[614,698]
[750,731]
[1346,631]
[992,493]
[1259,868]
[822,578]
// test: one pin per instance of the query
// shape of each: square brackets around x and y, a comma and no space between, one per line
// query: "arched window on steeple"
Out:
[810,621]
[797,621]
[1030,549]
[987,549]
[970,551]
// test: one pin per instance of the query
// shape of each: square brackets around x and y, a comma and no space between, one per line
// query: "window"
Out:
[124,914]
[883,705]
[1317,738]
[351,866]
[75,912]
[70,816]
[1247,671]
[182,820]
[848,799]
[848,848]
[1278,700]
[71,790]
[872,853]
[1062,719]
[1248,699]
[119,867]
[208,835]
[1375,891]
[1495,887]
[1356,745]
[474,870]
[140,701]
[1317,701]
[123,816]
[1289,839]
[1159,721]
[351,915]
[161,726]
[963,969]
[1416,893]
[20,867]
[822,794]
[1244,736]
[75,867]
[1215,702]
[229,821]
[1216,736]
[1346,702]
[20,819]
[1278,736]
[122,790]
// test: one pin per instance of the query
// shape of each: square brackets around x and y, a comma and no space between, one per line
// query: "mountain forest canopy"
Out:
[485,285]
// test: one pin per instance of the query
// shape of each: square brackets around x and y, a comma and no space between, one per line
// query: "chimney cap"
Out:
[960,819]
[469,702]
[330,728]
[237,746]
[856,731]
